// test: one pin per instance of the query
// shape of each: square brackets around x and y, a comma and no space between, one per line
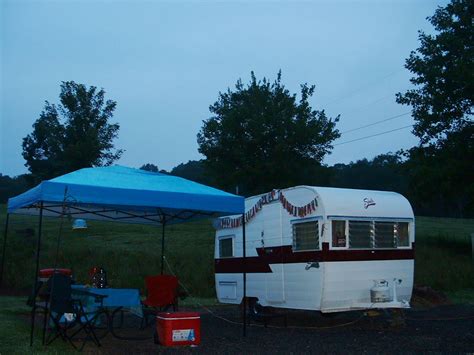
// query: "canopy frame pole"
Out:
[244,299]
[4,248]
[163,223]
[35,290]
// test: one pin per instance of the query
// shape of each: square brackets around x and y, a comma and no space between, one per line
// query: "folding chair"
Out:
[67,315]
[162,293]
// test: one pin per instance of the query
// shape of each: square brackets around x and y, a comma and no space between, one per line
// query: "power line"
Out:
[362,107]
[374,135]
[376,122]
[363,87]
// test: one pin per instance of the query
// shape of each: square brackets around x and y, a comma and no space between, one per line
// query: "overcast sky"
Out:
[165,62]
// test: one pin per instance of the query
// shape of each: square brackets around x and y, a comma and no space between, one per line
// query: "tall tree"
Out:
[262,137]
[440,168]
[74,134]
[441,176]
[443,67]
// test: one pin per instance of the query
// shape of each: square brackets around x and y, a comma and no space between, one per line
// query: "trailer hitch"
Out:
[314,264]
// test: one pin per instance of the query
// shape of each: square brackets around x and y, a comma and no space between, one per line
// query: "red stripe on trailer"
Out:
[253,264]
[284,255]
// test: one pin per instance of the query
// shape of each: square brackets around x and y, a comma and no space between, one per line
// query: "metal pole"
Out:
[162,245]
[472,245]
[245,276]
[4,249]
[38,247]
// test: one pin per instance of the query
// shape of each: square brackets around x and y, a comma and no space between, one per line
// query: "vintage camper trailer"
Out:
[319,248]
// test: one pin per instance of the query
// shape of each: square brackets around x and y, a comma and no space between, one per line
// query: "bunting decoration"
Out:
[296,211]
[302,211]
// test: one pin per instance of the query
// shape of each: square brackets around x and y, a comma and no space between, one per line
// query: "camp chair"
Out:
[67,315]
[162,293]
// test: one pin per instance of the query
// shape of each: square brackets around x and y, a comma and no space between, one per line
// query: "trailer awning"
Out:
[125,195]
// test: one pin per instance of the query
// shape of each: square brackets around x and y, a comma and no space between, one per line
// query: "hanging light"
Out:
[79,224]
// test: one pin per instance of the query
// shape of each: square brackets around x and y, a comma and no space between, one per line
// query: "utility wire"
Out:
[350,94]
[374,135]
[376,122]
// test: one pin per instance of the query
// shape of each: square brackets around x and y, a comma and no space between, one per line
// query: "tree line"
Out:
[261,136]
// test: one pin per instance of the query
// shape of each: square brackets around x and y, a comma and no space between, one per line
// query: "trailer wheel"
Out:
[255,309]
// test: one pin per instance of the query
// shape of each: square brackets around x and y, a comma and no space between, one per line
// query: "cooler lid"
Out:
[177,315]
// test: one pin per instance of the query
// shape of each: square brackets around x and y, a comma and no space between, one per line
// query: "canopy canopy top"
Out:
[125,195]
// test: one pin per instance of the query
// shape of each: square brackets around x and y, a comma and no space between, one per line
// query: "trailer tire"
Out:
[255,309]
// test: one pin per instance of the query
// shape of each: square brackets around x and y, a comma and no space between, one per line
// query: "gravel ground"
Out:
[438,329]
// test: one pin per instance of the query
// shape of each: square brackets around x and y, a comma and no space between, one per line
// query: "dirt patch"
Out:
[447,328]
[425,296]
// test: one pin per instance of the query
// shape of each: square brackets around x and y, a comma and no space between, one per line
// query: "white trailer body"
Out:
[354,250]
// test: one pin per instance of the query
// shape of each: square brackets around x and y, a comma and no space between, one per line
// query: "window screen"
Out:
[226,248]
[402,234]
[306,236]
[338,234]
[384,235]
[360,234]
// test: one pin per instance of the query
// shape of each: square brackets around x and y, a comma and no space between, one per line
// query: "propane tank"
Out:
[380,292]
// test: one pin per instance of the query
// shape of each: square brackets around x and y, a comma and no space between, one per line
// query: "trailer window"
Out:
[384,235]
[360,234]
[305,236]
[403,239]
[226,247]
[338,234]
[377,234]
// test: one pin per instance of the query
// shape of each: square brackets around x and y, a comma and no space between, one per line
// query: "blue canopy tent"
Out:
[125,195]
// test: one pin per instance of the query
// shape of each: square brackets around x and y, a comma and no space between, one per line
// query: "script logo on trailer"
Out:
[368,202]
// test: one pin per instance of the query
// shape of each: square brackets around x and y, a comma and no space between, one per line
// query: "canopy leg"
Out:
[162,246]
[35,290]
[245,277]
[4,249]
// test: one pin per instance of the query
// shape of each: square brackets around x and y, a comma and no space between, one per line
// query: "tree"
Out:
[12,186]
[384,172]
[441,175]
[440,168]
[72,135]
[262,137]
[149,167]
[443,68]
[193,170]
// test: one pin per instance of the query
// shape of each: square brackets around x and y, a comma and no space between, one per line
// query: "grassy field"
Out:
[129,252]
[443,256]
[15,331]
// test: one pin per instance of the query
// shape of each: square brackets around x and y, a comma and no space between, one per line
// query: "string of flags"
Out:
[297,211]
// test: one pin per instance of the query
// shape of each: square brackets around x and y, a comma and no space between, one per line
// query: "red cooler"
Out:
[178,328]
[45,274]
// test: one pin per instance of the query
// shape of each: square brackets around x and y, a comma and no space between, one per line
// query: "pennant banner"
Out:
[297,211]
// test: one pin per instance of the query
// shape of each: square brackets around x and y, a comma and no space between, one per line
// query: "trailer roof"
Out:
[342,202]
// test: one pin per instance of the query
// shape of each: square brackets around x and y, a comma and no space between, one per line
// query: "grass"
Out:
[15,329]
[15,332]
[443,255]
[129,252]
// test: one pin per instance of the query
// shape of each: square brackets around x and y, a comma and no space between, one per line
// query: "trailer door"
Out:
[304,276]
[272,237]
